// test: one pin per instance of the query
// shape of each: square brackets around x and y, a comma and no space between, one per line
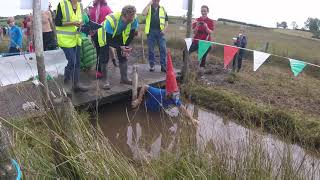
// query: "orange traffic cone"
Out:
[171,81]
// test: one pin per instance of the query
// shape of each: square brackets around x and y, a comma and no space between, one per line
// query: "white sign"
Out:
[27,4]
[185,4]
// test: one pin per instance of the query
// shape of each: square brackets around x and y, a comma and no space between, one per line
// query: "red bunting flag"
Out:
[171,81]
[229,53]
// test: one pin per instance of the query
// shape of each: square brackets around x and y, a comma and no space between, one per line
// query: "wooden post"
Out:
[143,52]
[37,29]
[267,47]
[189,18]
[135,82]
[185,70]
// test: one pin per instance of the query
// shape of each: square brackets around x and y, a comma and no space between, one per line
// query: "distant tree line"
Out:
[313,25]
[283,25]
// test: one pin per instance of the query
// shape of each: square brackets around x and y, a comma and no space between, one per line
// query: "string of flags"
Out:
[259,58]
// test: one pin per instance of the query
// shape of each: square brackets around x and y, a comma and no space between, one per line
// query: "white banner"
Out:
[188,42]
[27,4]
[258,59]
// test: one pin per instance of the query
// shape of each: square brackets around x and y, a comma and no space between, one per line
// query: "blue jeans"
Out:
[72,70]
[155,37]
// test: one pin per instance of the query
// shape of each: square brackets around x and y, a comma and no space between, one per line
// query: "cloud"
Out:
[265,13]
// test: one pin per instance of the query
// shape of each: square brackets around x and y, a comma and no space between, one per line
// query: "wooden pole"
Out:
[135,82]
[185,70]
[189,18]
[38,42]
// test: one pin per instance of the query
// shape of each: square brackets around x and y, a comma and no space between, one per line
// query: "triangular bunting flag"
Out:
[297,66]
[203,47]
[258,59]
[188,42]
[229,53]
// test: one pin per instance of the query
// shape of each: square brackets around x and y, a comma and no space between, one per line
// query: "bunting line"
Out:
[311,64]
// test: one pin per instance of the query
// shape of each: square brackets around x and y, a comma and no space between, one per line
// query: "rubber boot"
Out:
[104,70]
[76,87]
[124,73]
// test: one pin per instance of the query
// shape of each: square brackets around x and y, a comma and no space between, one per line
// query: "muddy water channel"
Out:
[143,135]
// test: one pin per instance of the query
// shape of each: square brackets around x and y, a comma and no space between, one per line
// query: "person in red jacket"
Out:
[202,28]
[98,14]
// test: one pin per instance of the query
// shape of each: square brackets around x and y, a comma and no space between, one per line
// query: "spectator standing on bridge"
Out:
[239,41]
[118,30]
[155,29]
[15,35]
[68,20]
[202,29]
[98,14]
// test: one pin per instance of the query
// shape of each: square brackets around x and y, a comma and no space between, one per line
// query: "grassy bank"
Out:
[283,121]
[90,155]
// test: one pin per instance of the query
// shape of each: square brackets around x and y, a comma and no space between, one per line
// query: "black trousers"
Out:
[49,41]
[237,60]
[102,56]
[194,47]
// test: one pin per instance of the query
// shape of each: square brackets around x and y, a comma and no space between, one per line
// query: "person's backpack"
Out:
[88,56]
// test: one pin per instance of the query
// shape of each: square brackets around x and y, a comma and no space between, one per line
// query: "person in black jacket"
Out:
[239,41]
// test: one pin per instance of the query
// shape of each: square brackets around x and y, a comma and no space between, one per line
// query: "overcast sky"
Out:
[265,13]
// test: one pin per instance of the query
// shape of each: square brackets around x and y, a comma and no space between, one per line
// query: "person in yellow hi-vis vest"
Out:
[118,30]
[155,29]
[67,21]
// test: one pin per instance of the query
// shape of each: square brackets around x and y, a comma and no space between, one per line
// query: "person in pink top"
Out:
[98,13]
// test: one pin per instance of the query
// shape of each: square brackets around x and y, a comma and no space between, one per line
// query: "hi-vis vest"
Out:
[114,20]
[68,36]
[162,17]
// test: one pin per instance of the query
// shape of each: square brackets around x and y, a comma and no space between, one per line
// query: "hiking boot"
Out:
[152,69]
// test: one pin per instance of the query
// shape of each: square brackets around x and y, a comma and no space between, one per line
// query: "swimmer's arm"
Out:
[142,92]
[187,113]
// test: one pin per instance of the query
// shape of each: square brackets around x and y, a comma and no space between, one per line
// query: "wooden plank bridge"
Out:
[13,95]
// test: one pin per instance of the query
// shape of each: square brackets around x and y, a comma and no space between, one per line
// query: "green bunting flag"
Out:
[297,66]
[203,48]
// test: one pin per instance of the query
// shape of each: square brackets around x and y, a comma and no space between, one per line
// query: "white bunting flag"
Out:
[188,42]
[258,59]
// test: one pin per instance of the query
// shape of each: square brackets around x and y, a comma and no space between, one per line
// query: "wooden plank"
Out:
[12,97]
[118,91]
